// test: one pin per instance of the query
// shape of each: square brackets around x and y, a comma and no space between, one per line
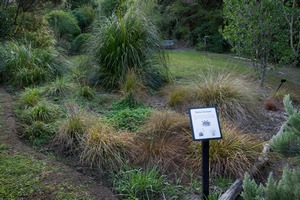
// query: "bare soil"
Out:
[65,174]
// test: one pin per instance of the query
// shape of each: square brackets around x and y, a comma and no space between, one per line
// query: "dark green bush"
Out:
[85,16]
[64,25]
[79,44]
[108,7]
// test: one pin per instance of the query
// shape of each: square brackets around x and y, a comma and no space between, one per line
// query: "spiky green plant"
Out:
[144,185]
[132,87]
[59,87]
[127,42]
[22,65]
[43,111]
[30,97]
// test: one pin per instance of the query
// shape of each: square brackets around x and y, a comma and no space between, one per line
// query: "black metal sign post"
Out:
[205,168]
[205,126]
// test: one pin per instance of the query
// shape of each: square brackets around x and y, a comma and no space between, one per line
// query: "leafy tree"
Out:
[255,30]
[64,25]
[24,20]
[291,12]
[192,21]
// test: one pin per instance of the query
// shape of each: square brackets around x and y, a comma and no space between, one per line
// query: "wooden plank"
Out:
[233,191]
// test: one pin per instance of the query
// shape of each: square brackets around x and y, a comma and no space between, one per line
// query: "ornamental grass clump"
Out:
[145,185]
[232,94]
[60,87]
[43,111]
[132,87]
[30,97]
[180,98]
[22,65]
[127,42]
[162,141]
[72,129]
[104,148]
[232,155]
[39,133]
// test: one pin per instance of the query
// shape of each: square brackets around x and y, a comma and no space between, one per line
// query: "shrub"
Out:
[149,184]
[288,142]
[234,154]
[162,141]
[79,43]
[124,43]
[109,7]
[231,93]
[35,31]
[23,65]
[129,119]
[85,16]
[43,111]
[103,147]
[39,133]
[64,25]
[286,188]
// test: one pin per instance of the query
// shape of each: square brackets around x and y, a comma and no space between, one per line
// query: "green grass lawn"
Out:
[186,65]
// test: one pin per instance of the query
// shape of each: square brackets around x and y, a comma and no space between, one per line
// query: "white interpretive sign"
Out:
[205,123]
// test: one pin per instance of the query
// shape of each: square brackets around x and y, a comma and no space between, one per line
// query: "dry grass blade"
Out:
[72,129]
[232,94]
[162,141]
[103,147]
